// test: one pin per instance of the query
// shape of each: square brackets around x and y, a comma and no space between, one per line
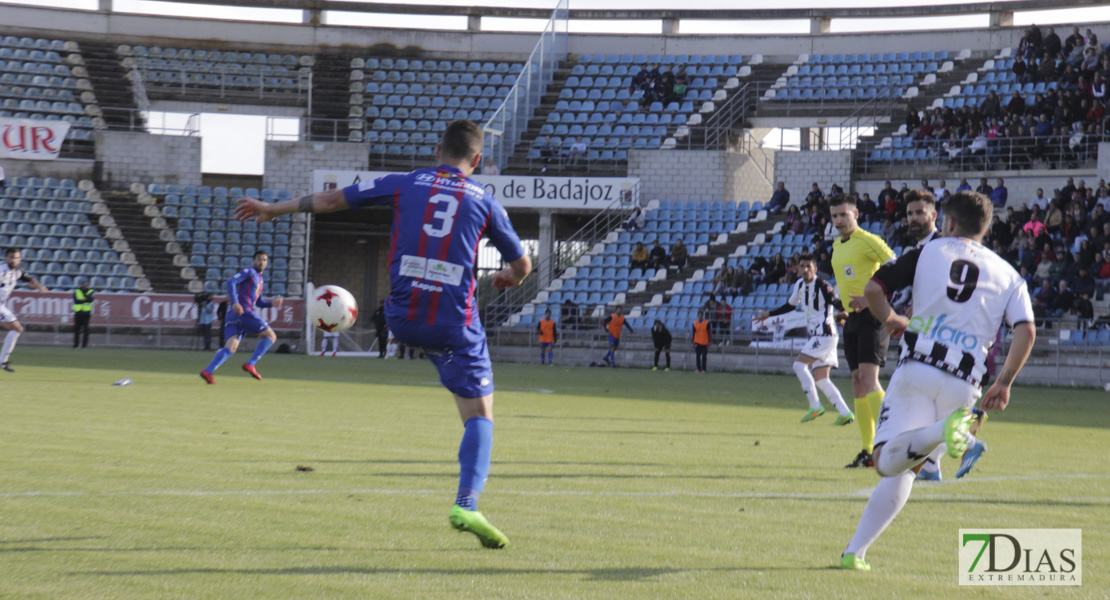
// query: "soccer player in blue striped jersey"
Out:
[439,216]
[244,292]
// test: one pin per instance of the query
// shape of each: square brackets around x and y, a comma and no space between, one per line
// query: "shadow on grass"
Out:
[610,574]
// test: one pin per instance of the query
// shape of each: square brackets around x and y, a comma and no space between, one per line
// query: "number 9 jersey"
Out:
[439,215]
[962,293]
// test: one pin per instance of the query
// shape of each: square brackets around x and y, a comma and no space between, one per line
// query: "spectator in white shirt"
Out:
[941,192]
[490,168]
[1040,201]
[577,151]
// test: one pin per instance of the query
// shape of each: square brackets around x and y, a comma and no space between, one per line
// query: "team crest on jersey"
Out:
[849,272]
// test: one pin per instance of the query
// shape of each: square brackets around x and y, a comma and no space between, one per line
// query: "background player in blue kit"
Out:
[244,291]
[439,216]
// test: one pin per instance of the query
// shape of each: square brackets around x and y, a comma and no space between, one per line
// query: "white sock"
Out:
[9,345]
[908,449]
[886,501]
[832,392]
[804,376]
[932,464]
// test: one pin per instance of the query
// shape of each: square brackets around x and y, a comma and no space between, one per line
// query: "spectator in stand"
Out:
[964,185]
[678,254]
[720,281]
[941,192]
[680,86]
[661,338]
[991,105]
[569,313]
[887,194]
[813,199]
[658,256]
[548,152]
[1075,40]
[1040,201]
[666,85]
[779,200]
[1046,70]
[1025,47]
[1052,45]
[999,195]
[777,271]
[639,77]
[1035,227]
[984,187]
[490,167]
[741,283]
[1016,106]
[1021,69]
[640,256]
[635,221]
[1044,298]
[925,186]
[795,221]
[1064,302]
[577,150]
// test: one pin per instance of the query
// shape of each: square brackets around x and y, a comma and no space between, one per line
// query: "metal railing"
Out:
[890,94]
[512,300]
[508,124]
[144,121]
[932,156]
[261,84]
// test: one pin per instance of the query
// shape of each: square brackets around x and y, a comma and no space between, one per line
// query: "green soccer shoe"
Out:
[812,414]
[955,431]
[474,522]
[845,419]
[851,562]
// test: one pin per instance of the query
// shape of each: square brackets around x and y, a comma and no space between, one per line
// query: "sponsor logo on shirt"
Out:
[367,185]
[933,328]
[849,271]
[431,269]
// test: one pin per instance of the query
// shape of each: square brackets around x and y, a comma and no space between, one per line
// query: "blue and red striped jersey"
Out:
[246,289]
[439,215]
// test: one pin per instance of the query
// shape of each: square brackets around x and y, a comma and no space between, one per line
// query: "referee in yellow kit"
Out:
[856,255]
[82,313]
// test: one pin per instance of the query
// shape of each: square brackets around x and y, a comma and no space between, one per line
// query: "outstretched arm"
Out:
[320,202]
[513,274]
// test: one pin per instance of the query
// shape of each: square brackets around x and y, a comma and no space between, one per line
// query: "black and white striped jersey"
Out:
[8,278]
[962,293]
[818,301]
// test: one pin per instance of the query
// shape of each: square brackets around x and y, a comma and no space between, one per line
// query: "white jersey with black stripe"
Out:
[962,293]
[8,278]
[818,301]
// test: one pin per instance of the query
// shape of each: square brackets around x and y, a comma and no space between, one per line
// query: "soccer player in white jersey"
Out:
[10,274]
[820,303]
[921,213]
[962,293]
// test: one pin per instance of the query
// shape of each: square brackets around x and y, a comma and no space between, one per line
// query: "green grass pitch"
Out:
[609,483]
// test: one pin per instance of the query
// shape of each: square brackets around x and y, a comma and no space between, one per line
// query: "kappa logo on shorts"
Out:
[484,382]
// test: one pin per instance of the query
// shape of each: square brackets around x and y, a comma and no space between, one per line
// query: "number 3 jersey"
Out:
[439,216]
[962,293]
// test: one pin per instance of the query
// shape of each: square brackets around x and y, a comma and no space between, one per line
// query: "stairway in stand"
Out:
[146,243]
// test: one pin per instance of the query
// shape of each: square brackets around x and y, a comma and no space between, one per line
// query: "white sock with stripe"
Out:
[9,345]
[806,378]
[832,392]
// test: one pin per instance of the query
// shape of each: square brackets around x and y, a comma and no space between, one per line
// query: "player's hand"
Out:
[841,318]
[505,279]
[248,208]
[762,316]
[858,303]
[277,302]
[237,308]
[998,396]
[896,325]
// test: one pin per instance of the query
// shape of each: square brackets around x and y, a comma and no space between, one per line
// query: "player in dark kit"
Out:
[439,216]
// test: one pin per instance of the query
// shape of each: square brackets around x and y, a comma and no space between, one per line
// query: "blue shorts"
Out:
[545,345]
[614,341]
[459,353]
[240,325]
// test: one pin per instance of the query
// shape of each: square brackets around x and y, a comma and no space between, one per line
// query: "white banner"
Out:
[780,324]
[519,191]
[31,139]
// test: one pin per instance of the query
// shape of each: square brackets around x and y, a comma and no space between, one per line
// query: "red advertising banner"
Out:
[137,310]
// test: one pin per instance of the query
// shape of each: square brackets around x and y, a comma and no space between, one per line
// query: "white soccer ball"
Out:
[332,308]
[1106,387]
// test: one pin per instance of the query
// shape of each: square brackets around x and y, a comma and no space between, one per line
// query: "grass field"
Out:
[610,484]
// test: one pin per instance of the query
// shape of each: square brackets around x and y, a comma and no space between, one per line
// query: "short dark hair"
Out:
[261,253]
[921,196]
[11,251]
[806,257]
[462,140]
[971,212]
[839,199]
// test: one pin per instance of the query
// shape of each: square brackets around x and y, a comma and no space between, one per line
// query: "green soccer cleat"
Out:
[852,562]
[474,522]
[812,414]
[955,431]
[655,368]
[845,419]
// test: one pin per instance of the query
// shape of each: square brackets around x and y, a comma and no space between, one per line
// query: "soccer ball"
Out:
[332,308]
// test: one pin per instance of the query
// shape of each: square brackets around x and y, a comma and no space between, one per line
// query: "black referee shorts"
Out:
[865,340]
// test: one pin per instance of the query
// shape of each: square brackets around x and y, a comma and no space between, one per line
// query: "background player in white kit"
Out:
[333,337]
[962,292]
[10,274]
[820,303]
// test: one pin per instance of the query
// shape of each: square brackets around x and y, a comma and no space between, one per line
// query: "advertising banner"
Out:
[31,139]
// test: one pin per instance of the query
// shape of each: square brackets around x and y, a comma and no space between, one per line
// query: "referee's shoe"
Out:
[863,459]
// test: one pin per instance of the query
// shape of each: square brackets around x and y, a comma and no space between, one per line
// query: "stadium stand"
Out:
[46,79]
[858,77]
[53,220]
[406,103]
[199,71]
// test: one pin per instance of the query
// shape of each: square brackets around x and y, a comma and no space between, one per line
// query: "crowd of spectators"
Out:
[660,84]
[570,153]
[1059,127]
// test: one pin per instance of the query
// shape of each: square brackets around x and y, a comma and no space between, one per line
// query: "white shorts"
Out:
[822,348]
[920,395]
[6,314]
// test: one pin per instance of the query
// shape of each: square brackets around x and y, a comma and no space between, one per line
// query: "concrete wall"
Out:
[800,170]
[126,28]
[63,168]
[129,157]
[289,165]
[696,175]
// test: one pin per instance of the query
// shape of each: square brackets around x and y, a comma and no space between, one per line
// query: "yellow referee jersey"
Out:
[855,261]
